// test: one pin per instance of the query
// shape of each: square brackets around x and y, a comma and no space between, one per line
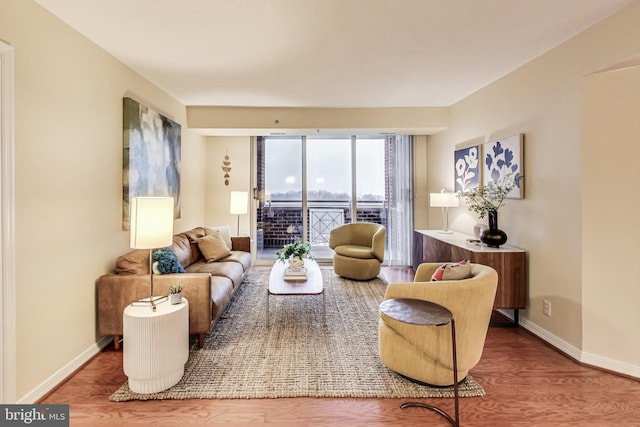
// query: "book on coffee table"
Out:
[291,275]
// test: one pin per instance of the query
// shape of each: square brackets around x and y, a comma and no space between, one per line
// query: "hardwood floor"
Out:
[527,383]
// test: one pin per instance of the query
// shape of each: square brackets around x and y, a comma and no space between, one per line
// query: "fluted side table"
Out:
[156,345]
[426,313]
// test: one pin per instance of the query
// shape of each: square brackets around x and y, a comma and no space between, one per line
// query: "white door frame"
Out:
[7,227]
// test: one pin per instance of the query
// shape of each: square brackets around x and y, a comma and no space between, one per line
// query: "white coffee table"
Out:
[312,286]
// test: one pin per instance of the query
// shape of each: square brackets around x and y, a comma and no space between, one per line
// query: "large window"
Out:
[309,185]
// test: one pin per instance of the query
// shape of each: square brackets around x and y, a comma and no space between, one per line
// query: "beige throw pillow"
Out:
[213,247]
[223,231]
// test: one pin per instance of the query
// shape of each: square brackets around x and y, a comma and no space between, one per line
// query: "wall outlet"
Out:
[546,308]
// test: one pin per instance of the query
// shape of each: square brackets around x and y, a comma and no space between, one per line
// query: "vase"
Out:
[175,298]
[296,263]
[493,236]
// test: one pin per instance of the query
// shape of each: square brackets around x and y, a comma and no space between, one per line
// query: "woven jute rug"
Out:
[297,356]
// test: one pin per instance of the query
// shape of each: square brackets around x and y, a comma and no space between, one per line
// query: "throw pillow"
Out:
[166,262]
[224,233]
[454,271]
[213,247]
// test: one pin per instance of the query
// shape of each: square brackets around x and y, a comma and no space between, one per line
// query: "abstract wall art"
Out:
[151,156]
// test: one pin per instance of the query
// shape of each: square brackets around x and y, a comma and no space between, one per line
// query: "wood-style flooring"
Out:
[527,383]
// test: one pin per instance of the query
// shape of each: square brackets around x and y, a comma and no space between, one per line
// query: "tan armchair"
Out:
[359,249]
[423,353]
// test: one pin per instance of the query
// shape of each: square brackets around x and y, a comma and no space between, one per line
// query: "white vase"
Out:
[175,298]
[296,263]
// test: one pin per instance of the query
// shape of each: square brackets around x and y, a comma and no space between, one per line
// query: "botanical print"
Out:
[467,168]
[503,158]
[151,156]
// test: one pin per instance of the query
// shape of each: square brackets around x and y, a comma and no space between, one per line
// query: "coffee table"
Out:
[312,286]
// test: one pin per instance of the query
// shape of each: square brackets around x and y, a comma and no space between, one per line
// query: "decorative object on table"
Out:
[477,229]
[504,157]
[151,227]
[297,249]
[151,157]
[485,201]
[226,168]
[238,205]
[466,168]
[175,293]
[444,201]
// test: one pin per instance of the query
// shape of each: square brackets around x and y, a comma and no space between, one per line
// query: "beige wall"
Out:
[68,130]
[610,213]
[543,100]
[238,148]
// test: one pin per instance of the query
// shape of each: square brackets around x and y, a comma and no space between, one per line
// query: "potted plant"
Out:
[485,200]
[175,293]
[295,253]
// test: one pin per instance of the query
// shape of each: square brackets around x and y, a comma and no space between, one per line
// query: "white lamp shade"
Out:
[151,222]
[444,200]
[238,203]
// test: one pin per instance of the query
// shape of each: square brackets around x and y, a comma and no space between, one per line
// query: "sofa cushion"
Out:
[134,262]
[453,271]
[231,270]
[166,262]
[355,251]
[243,258]
[223,231]
[213,248]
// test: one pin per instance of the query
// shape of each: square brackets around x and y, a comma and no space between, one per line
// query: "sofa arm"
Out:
[196,287]
[241,243]
[115,293]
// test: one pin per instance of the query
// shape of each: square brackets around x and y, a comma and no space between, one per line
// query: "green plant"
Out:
[176,288]
[298,248]
[490,197]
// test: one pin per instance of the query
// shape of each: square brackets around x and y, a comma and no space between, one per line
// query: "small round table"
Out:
[426,313]
[156,345]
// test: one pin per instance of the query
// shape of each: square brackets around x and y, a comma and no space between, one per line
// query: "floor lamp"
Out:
[445,201]
[238,205]
[151,228]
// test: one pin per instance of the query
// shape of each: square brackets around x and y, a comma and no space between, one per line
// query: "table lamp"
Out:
[151,228]
[238,205]
[445,201]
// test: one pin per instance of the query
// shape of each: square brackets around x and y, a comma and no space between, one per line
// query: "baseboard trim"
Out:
[65,372]
[582,357]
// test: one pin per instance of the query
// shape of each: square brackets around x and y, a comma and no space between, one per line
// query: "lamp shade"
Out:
[444,200]
[151,222]
[238,203]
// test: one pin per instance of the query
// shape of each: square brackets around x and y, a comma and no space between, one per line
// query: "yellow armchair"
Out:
[359,249]
[423,353]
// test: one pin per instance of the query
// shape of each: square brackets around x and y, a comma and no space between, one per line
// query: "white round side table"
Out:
[155,345]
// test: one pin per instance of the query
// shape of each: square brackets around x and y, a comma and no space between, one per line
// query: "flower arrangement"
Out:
[490,197]
[296,249]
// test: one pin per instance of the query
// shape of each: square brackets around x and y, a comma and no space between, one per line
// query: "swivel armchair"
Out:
[423,353]
[359,249]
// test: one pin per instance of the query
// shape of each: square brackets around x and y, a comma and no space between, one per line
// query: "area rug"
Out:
[297,356]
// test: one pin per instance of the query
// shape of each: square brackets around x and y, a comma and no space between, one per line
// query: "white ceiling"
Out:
[327,53]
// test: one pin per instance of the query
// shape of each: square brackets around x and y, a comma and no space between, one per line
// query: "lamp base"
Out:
[445,231]
[150,301]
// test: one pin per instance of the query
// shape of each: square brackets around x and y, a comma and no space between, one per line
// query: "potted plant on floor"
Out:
[295,253]
[175,293]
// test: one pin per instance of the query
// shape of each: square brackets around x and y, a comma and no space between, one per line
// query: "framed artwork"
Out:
[467,170]
[503,157]
[151,156]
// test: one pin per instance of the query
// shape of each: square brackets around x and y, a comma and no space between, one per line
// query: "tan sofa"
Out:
[208,286]
[359,249]
[424,353]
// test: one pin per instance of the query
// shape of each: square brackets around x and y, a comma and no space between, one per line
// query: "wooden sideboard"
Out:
[508,261]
